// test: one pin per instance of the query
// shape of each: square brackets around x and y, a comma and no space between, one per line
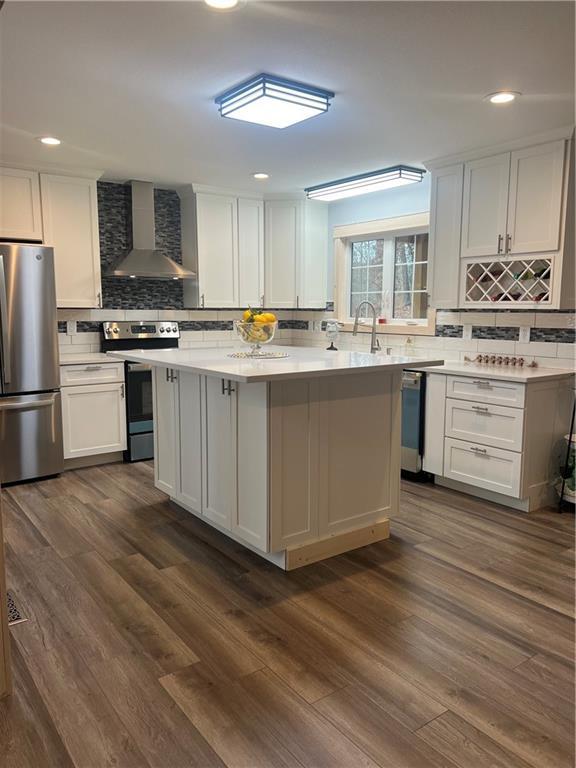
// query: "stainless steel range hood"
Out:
[144,260]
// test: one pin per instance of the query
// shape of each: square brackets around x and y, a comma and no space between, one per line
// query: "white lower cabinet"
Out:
[166,430]
[189,439]
[94,419]
[491,468]
[220,450]
[487,447]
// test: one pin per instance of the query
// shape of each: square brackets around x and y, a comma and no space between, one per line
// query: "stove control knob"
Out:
[114,330]
[174,329]
[161,330]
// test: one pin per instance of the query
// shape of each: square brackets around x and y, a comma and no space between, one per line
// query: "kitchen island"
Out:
[297,458]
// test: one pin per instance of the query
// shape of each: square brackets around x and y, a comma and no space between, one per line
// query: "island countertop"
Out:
[301,363]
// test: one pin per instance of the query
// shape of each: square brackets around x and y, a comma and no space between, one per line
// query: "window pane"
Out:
[403,277]
[404,248]
[359,255]
[403,306]
[355,299]
[376,252]
[375,279]
[376,299]
[422,247]
[359,279]
[420,276]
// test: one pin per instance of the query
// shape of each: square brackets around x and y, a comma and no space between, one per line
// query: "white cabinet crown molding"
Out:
[566,132]
[60,170]
[377,226]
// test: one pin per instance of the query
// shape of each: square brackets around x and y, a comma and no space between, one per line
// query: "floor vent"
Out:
[14,615]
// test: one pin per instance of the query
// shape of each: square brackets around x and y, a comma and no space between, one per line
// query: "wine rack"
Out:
[523,281]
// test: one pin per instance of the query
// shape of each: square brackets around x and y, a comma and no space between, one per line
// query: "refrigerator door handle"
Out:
[27,405]
[6,371]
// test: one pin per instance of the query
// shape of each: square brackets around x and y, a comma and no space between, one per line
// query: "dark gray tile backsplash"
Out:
[559,335]
[494,332]
[450,331]
[115,222]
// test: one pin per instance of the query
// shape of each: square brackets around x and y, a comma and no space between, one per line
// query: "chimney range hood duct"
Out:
[144,260]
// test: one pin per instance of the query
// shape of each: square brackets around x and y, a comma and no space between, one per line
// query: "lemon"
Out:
[269,317]
[247,315]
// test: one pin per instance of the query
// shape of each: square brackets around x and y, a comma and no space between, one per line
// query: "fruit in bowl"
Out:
[256,328]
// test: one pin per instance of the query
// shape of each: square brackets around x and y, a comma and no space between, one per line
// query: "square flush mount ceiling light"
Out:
[273,101]
[397,176]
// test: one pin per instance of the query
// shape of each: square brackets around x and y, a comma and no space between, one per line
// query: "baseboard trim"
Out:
[296,557]
[93,461]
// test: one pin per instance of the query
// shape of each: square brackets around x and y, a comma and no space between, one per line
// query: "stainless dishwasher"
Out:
[413,421]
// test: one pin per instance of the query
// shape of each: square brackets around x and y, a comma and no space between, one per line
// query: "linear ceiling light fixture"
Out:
[364,183]
[273,101]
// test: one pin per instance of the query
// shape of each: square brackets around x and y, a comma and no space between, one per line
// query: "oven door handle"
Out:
[139,367]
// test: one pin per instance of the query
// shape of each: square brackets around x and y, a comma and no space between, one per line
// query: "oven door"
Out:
[139,412]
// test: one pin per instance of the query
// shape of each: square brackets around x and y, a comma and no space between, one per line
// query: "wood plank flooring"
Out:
[155,642]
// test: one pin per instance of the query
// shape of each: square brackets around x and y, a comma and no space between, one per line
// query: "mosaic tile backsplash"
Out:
[115,223]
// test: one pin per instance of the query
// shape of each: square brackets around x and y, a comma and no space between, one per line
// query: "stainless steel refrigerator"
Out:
[30,407]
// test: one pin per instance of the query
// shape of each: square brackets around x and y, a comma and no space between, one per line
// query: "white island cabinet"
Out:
[298,458]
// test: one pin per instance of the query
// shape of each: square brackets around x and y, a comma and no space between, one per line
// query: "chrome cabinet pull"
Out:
[202,301]
[168,375]
[480,408]
[99,297]
[93,368]
[223,386]
[262,300]
[499,248]
[508,244]
[482,383]
[122,391]
[478,450]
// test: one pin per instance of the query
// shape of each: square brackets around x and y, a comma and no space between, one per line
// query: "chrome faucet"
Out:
[374,342]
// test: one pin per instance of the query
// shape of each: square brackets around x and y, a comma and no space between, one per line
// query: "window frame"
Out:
[388,229]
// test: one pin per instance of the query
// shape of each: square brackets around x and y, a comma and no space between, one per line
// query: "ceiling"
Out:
[129,86]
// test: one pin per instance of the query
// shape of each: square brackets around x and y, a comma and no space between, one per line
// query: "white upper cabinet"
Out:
[217,231]
[296,253]
[535,200]
[20,210]
[70,215]
[312,277]
[445,225]
[250,253]
[283,230]
[485,206]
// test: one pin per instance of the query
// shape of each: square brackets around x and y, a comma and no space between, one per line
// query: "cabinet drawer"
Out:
[495,425]
[95,373]
[484,467]
[486,390]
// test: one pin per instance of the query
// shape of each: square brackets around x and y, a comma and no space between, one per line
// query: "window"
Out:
[390,272]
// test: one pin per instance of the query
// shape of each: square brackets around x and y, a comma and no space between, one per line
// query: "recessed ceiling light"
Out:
[261,176]
[502,97]
[51,141]
[375,181]
[273,101]
[222,5]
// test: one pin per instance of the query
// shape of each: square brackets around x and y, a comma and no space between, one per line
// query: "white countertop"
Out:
[302,363]
[88,358]
[502,372]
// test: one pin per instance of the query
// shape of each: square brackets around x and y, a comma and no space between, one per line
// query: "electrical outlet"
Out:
[467,331]
[524,336]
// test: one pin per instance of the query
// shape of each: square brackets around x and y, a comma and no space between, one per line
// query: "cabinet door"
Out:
[445,226]
[250,253]
[535,201]
[283,231]
[217,226]
[70,213]
[485,203]
[93,419]
[20,211]
[219,454]
[312,267]
[190,438]
[165,431]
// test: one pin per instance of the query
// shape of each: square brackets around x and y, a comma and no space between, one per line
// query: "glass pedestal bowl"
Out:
[256,335]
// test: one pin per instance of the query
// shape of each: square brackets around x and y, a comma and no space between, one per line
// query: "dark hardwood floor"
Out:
[154,642]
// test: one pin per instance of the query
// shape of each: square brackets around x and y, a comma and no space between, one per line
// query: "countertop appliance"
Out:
[30,407]
[124,335]
[413,421]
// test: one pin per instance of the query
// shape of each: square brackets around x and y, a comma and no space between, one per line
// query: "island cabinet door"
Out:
[166,420]
[190,437]
[293,462]
[359,469]
[219,450]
